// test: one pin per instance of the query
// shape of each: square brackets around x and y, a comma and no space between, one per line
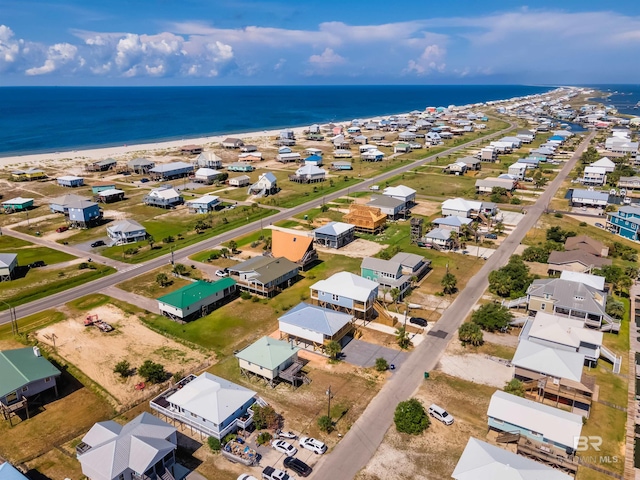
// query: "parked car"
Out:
[97,243]
[270,473]
[419,321]
[289,435]
[441,414]
[298,466]
[144,180]
[64,228]
[491,236]
[316,446]
[246,476]
[37,263]
[221,273]
[284,447]
[599,225]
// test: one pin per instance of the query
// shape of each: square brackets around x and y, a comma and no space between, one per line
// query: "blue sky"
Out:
[265,42]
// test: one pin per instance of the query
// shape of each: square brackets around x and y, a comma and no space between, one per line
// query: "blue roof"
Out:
[9,472]
[556,137]
[318,319]
[313,158]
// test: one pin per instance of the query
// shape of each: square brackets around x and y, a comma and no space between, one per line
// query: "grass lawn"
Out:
[39,283]
[147,286]
[181,228]
[293,194]
[610,424]
[29,252]
[437,184]
[287,224]
[314,213]
[32,323]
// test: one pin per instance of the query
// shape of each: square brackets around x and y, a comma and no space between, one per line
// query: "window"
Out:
[543,306]
[335,298]
[47,380]
[25,388]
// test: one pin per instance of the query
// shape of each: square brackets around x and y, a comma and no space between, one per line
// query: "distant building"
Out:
[231,142]
[29,175]
[141,165]
[366,218]
[452,222]
[17,204]
[208,160]
[101,165]
[191,149]
[70,181]
[126,231]
[171,170]
[197,299]
[240,181]
[240,167]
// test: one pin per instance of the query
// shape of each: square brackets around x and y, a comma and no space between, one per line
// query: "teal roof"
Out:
[9,472]
[21,367]
[268,352]
[195,292]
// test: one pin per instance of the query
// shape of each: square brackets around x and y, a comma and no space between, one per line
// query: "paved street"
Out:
[364,354]
[359,444]
[130,271]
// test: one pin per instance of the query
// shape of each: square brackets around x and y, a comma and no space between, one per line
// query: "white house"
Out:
[208,160]
[126,231]
[315,326]
[406,194]
[605,163]
[589,198]
[594,175]
[240,181]
[8,263]
[267,184]
[518,170]
[203,204]
[452,222]
[486,185]
[206,175]
[440,237]
[372,155]
[166,197]
[310,173]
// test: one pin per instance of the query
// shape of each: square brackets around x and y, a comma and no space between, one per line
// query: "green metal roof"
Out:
[268,352]
[195,292]
[21,367]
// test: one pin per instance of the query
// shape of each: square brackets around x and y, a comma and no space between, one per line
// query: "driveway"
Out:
[364,354]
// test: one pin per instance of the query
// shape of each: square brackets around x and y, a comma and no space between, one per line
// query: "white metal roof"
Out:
[460,204]
[347,285]
[126,226]
[166,193]
[204,200]
[334,228]
[207,172]
[399,191]
[549,361]
[317,319]
[481,460]
[69,178]
[594,281]
[556,425]
[211,397]
[604,162]
[565,331]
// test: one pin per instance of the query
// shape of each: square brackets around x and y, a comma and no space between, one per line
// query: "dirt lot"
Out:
[426,208]
[96,353]
[359,248]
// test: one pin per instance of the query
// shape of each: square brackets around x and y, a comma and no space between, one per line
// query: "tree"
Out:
[395,296]
[385,290]
[557,234]
[589,156]
[151,241]
[402,337]
[614,308]
[214,444]
[632,272]
[333,349]
[536,254]
[492,317]
[325,424]
[449,282]
[410,417]
[500,283]
[381,364]
[179,269]
[233,245]
[540,181]
[470,333]
[265,417]
[612,274]
[498,228]
[512,279]
[152,372]
[514,387]
[122,368]
[162,279]
[625,283]
[201,226]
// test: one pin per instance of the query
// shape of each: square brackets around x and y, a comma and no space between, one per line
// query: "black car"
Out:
[97,243]
[492,236]
[37,263]
[418,321]
[297,466]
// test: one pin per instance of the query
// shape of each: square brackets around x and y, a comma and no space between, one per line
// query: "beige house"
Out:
[574,261]
[586,244]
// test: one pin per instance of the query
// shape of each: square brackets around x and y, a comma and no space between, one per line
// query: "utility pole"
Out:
[329,395]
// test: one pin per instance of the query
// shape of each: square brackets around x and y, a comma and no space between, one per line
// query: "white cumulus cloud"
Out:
[431,60]
[327,58]
[58,55]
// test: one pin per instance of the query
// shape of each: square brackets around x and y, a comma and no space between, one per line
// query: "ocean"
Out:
[51,119]
[626,98]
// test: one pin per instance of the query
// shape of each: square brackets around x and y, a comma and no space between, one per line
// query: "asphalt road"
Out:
[354,451]
[181,255]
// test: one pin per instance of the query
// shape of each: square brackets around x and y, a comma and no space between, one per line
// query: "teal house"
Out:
[17,204]
[197,299]
[625,222]
[388,274]
[271,359]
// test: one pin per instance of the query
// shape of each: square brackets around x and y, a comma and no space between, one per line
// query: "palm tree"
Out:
[151,241]
[449,282]
[402,337]
[498,228]
[385,290]
[395,296]
[333,349]
[455,239]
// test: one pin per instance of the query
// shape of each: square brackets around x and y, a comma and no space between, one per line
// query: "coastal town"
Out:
[444,293]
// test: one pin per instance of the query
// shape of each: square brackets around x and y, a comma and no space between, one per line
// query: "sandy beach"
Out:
[132,151]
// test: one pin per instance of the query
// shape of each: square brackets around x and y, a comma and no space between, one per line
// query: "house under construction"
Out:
[365,218]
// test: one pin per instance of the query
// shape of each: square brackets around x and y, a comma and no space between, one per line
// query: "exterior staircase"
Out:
[518,302]
[609,324]
[612,357]
[508,437]
[383,315]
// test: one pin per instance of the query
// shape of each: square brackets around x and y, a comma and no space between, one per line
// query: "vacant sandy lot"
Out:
[96,353]
[359,248]
[477,369]
[426,208]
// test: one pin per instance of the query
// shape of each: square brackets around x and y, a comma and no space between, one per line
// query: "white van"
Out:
[441,414]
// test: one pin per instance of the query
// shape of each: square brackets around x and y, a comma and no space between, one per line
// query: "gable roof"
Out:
[207,199]
[194,292]
[400,191]
[266,269]
[291,246]
[125,226]
[114,448]
[460,204]
[384,201]
[550,361]
[7,259]
[590,194]
[604,162]
[452,221]
[334,228]
[380,265]
[211,397]
[20,367]
[569,294]
[408,259]
[585,258]
[268,352]
[554,424]
[70,199]
[583,242]
[348,285]
[165,193]
[317,319]
[439,234]
[481,460]
[169,167]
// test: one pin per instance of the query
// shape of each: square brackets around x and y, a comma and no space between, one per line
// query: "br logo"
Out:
[584,443]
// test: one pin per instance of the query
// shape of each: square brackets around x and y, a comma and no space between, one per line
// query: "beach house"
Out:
[401,192]
[204,204]
[574,260]
[517,170]
[452,222]
[589,198]
[164,197]
[625,222]
[389,275]
[24,373]
[391,207]
[309,173]
[78,211]
[439,238]
[240,167]
[102,186]
[295,246]
[334,234]
[315,326]
[471,163]
[346,292]
[239,181]
[196,299]
[266,276]
[110,196]
[206,175]
[17,204]
[126,231]
[28,175]
[144,448]
[141,166]
[481,460]
[70,181]
[207,404]
[208,160]
[231,142]
[372,155]
[191,149]
[8,265]
[460,207]
[486,185]
[596,176]
[266,185]
[586,244]
[272,360]
[169,171]
[101,165]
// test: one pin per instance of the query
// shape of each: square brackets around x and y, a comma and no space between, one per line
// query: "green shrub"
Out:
[245,295]
[228,437]
[214,444]
[325,424]
[122,368]
[410,417]
[263,438]
[83,265]
[381,364]
[152,372]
